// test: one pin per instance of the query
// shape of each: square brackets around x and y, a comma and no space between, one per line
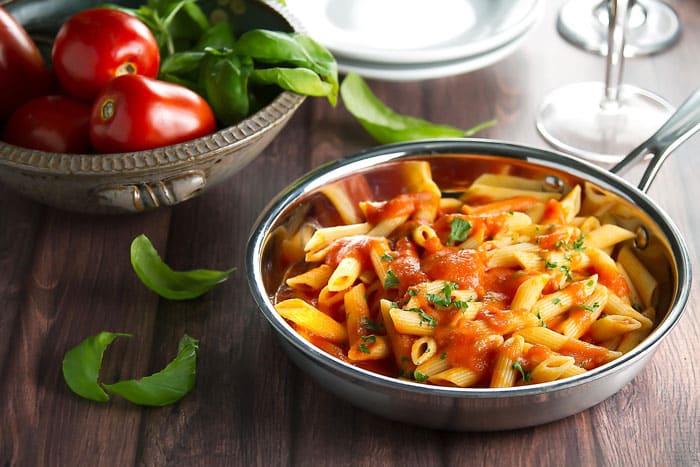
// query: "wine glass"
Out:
[652,26]
[600,121]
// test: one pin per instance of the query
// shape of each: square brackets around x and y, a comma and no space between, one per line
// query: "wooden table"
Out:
[64,277]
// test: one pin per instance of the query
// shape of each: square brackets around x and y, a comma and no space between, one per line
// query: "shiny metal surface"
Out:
[472,409]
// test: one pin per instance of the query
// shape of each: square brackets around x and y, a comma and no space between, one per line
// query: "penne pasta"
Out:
[500,285]
[642,280]
[345,274]
[505,368]
[323,237]
[312,319]
[611,326]
[552,368]
[313,279]
[423,349]
[459,377]
[414,322]
[607,235]
[529,292]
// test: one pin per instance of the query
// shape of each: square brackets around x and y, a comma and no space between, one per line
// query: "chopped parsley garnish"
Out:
[591,308]
[444,299]
[542,323]
[412,292]
[386,257]
[459,230]
[363,348]
[420,377]
[371,339]
[549,265]
[525,374]
[566,270]
[556,300]
[424,317]
[391,280]
[443,355]
[577,244]
[371,325]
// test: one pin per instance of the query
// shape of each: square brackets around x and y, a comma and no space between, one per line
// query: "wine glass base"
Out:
[576,120]
[653,26]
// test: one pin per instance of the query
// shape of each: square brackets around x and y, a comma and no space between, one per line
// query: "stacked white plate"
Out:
[403,40]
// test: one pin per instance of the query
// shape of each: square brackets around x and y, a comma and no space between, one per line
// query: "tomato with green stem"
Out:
[96,45]
[135,113]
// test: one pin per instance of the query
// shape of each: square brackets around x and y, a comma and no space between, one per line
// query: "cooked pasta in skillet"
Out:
[505,284]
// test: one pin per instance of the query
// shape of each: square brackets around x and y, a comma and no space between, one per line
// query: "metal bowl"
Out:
[454,164]
[143,180]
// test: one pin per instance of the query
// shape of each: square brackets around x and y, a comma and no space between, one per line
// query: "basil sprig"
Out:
[387,126]
[174,285]
[166,386]
[82,363]
[236,74]
[81,366]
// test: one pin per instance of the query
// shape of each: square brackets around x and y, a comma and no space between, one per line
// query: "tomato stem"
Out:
[107,110]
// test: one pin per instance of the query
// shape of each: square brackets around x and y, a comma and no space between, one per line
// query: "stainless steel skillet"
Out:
[455,163]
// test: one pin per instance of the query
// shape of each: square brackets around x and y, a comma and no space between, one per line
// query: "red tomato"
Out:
[23,73]
[51,123]
[134,113]
[95,46]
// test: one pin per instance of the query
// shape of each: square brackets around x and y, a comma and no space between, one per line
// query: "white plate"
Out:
[413,31]
[417,72]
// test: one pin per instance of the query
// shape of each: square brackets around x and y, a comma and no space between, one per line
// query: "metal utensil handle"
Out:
[684,122]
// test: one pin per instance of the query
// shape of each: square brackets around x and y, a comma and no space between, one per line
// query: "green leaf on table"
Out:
[82,363]
[387,126]
[167,386]
[174,285]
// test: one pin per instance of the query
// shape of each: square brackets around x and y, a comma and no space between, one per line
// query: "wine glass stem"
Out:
[616,44]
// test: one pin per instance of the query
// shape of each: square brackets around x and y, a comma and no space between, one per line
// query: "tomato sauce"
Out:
[585,356]
[406,264]
[400,206]
[517,203]
[469,347]
[350,247]
[463,267]
[614,281]
[554,238]
[553,213]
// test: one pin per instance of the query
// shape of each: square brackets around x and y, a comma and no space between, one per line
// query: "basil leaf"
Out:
[82,363]
[167,386]
[174,285]
[182,63]
[224,78]
[459,230]
[277,48]
[299,80]
[219,36]
[384,124]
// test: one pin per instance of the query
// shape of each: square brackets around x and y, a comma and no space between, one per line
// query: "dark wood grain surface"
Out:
[66,276]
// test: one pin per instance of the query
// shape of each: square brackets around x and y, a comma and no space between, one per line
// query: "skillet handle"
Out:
[684,122]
